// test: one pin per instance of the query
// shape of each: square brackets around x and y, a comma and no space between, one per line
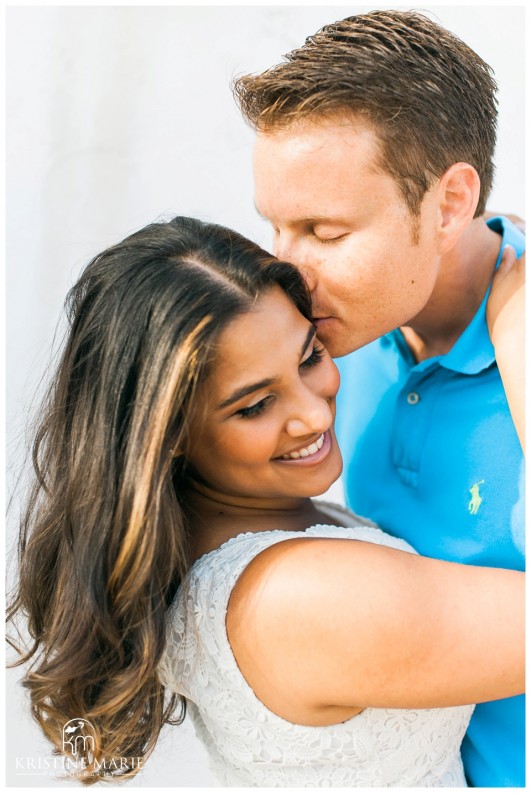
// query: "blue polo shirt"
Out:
[431,455]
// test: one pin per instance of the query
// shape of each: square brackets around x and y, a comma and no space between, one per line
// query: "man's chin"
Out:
[329,333]
[341,344]
[336,348]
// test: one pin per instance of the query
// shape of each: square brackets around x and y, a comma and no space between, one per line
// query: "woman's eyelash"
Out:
[253,410]
[314,358]
[258,407]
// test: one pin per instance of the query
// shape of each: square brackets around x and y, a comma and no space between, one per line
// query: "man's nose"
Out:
[289,250]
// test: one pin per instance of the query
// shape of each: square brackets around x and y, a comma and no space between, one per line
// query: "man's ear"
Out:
[458,195]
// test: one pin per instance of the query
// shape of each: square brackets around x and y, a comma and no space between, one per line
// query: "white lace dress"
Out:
[248,745]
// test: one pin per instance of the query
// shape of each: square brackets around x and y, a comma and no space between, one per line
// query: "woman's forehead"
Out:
[270,332]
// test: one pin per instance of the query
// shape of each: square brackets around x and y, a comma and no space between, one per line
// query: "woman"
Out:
[170,543]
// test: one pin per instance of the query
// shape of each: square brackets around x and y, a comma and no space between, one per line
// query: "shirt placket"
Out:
[413,411]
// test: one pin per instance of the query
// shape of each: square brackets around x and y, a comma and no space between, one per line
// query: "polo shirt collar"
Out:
[473,351]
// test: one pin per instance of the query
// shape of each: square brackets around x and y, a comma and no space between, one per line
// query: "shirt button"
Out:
[413,398]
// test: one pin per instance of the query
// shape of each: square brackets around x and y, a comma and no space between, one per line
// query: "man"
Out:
[373,163]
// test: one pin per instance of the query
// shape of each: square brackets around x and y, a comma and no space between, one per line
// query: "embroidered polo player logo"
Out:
[476,500]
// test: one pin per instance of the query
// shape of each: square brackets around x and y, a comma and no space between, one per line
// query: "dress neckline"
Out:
[327,507]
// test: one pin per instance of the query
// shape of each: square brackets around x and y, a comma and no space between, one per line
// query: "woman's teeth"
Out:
[307,452]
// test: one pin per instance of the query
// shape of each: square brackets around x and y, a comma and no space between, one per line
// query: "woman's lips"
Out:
[310,459]
[310,448]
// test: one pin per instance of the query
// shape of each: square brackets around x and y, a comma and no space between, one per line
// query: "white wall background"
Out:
[120,115]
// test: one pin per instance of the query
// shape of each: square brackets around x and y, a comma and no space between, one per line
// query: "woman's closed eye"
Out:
[254,410]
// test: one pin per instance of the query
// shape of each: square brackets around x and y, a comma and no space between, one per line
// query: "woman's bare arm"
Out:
[322,628]
[506,321]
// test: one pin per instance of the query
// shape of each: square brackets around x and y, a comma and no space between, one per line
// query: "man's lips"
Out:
[323,326]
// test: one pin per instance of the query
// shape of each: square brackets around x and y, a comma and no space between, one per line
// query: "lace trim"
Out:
[249,744]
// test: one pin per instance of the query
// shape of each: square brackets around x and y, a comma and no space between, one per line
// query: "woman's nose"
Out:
[312,414]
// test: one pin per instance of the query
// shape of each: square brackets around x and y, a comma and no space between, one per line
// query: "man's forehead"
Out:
[307,131]
[313,173]
[316,145]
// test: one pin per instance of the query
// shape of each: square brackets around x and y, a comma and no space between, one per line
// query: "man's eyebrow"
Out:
[309,220]
[269,381]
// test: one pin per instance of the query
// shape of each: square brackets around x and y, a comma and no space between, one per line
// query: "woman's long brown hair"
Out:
[103,542]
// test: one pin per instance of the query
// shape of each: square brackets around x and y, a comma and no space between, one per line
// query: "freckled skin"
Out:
[343,222]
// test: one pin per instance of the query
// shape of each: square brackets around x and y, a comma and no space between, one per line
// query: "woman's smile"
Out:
[310,454]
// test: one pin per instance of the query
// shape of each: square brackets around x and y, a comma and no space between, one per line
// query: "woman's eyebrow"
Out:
[269,381]
[245,390]
[309,336]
